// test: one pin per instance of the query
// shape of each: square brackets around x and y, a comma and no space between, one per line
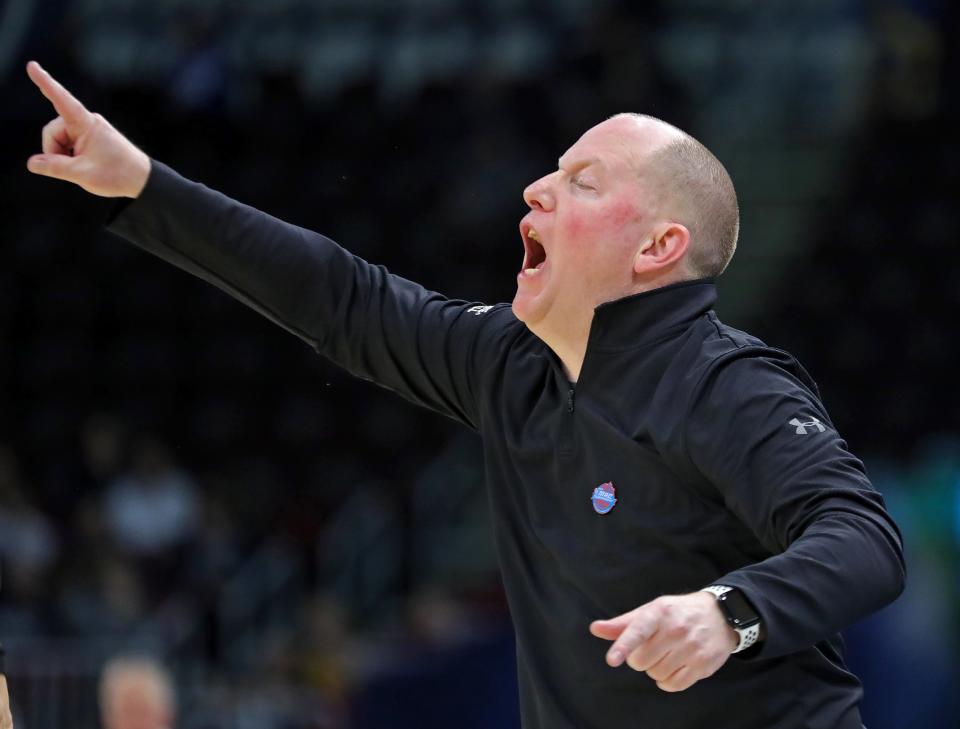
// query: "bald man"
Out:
[667,491]
[136,693]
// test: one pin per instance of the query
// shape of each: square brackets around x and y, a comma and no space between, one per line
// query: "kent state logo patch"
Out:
[604,498]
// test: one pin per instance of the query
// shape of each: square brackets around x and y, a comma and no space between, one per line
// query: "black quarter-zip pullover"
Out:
[722,465]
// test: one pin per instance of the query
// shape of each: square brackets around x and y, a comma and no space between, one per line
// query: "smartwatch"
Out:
[739,613]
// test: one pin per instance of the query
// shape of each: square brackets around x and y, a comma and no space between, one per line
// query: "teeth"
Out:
[533,235]
[532,271]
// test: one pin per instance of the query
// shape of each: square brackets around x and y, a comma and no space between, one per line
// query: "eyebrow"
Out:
[580,164]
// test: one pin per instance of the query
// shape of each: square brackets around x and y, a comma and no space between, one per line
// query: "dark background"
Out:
[305,550]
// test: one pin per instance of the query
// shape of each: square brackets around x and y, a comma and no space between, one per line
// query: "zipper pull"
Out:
[570,400]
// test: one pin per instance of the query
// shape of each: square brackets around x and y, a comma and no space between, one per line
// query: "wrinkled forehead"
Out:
[620,144]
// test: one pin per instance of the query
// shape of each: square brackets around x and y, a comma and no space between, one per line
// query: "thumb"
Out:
[610,629]
[58,166]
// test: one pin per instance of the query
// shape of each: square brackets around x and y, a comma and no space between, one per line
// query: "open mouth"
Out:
[534,254]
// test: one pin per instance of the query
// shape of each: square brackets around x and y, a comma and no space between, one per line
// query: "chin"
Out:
[529,313]
[523,308]
[517,309]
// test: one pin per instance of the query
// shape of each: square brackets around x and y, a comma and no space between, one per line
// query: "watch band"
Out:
[748,636]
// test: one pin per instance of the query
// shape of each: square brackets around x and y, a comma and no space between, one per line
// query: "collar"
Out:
[641,318]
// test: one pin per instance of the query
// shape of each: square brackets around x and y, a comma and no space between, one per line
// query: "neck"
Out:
[571,357]
[568,339]
[569,344]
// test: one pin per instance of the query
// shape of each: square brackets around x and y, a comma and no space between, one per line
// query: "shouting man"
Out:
[667,491]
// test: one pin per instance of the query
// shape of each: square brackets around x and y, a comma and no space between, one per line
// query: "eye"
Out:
[579,182]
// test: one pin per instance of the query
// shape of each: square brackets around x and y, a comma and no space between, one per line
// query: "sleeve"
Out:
[757,431]
[376,325]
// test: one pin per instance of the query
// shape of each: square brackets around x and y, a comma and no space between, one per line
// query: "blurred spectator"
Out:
[329,656]
[198,82]
[153,507]
[136,693]
[102,440]
[215,551]
[28,542]
[102,594]
[29,547]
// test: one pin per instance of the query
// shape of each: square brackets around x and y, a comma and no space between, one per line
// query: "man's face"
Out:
[586,221]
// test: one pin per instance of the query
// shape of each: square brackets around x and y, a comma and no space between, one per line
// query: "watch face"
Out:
[739,611]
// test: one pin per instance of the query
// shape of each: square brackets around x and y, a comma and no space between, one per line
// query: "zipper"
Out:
[566,427]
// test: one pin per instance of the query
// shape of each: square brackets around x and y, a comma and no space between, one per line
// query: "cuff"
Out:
[122,203]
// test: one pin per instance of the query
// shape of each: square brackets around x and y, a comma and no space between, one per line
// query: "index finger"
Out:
[640,630]
[63,101]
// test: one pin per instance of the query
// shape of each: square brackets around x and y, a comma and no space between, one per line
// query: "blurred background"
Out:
[181,480]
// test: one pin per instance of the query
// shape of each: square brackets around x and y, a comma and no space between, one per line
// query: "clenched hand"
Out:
[83,148]
[676,639]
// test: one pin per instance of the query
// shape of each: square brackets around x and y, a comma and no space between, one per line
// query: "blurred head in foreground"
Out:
[136,693]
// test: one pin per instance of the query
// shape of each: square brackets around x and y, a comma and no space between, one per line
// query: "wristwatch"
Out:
[739,614]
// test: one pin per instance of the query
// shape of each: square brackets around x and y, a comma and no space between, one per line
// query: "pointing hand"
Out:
[83,148]
[676,639]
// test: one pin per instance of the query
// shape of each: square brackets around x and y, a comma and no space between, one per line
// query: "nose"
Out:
[539,194]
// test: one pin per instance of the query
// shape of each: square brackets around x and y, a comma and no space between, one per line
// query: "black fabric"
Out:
[689,419]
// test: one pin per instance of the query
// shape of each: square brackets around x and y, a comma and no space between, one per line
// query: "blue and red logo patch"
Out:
[604,497]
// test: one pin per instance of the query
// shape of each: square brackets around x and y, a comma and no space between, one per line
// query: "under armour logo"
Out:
[478,310]
[802,427]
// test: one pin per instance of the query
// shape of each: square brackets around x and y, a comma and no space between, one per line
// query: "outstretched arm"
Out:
[427,348]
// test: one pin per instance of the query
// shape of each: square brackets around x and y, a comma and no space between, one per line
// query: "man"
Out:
[658,481]
[136,693]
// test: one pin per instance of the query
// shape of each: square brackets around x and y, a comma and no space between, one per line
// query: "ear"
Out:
[666,245]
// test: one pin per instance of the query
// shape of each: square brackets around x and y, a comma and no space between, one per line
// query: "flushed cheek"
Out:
[611,224]
[582,231]
[584,226]
[622,215]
